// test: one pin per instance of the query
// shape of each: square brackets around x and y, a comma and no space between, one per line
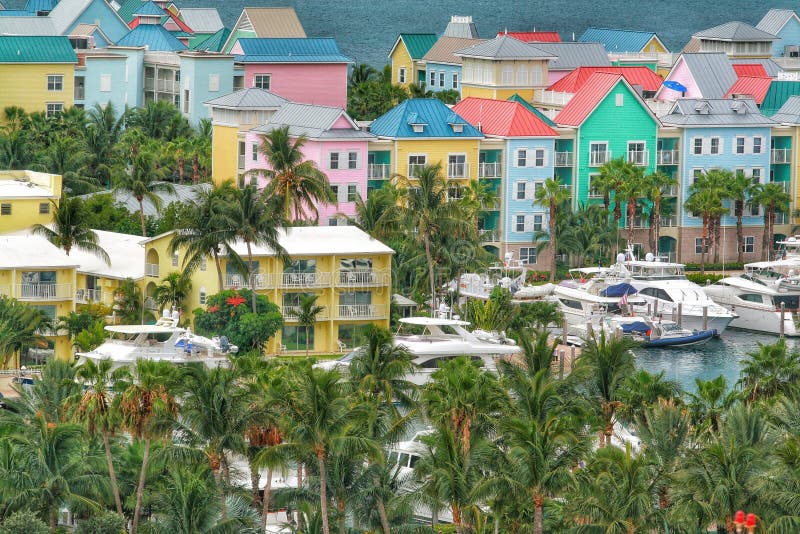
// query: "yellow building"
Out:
[406,57]
[232,116]
[26,198]
[502,67]
[37,73]
[350,271]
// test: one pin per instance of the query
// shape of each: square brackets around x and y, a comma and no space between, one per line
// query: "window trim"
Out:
[59,81]
[266,75]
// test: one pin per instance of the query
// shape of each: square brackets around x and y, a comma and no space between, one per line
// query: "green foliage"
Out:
[102,523]
[703,279]
[23,522]
[496,314]
[372,93]
[19,327]
[227,314]
[91,337]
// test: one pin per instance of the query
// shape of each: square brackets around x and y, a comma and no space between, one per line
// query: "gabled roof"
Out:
[775,19]
[66,12]
[462,27]
[789,112]
[770,67]
[127,8]
[572,55]
[312,121]
[750,69]
[734,31]
[586,100]
[544,118]
[754,86]
[202,19]
[266,22]
[27,25]
[431,112]
[154,36]
[504,47]
[442,51]
[34,6]
[417,44]
[779,92]
[183,194]
[252,98]
[642,76]
[503,118]
[36,49]
[148,8]
[615,40]
[213,42]
[711,71]
[534,37]
[715,112]
[267,50]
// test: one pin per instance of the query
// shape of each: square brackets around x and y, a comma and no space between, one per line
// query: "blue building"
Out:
[204,76]
[443,67]
[785,25]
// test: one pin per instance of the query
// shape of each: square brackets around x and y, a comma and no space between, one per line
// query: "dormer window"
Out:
[739,107]
[703,108]
[418,128]
[457,128]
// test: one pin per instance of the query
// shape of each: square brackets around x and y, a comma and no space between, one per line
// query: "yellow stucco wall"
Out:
[401,58]
[25,85]
[224,154]
[437,151]
[25,210]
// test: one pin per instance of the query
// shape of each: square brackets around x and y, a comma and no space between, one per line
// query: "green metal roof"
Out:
[128,8]
[516,98]
[211,43]
[778,93]
[36,49]
[418,44]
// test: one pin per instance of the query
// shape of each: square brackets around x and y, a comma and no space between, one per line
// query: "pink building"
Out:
[312,71]
[333,142]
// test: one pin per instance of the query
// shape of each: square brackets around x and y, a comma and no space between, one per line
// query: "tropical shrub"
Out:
[228,313]
[104,523]
[23,522]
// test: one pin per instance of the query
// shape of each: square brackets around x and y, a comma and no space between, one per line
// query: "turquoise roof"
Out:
[527,105]
[213,42]
[617,40]
[154,36]
[35,6]
[128,8]
[298,50]
[778,93]
[418,44]
[436,117]
[148,8]
[36,49]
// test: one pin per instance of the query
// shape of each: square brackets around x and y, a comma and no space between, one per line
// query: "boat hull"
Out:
[683,341]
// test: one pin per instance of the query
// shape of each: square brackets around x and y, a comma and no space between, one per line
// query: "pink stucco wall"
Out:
[309,83]
[554,75]
[318,151]
[683,76]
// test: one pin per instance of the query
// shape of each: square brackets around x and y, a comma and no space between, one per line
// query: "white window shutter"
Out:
[748,145]
[721,145]
[530,191]
[529,223]
[546,157]
[706,145]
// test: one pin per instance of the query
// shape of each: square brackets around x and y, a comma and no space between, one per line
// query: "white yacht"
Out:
[591,302]
[756,300]
[511,274]
[163,341]
[433,340]
[664,286]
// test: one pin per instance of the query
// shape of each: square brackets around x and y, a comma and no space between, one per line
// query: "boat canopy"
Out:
[618,290]
[636,326]
[132,329]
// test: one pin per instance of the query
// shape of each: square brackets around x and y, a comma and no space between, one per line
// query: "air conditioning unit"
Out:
[791,51]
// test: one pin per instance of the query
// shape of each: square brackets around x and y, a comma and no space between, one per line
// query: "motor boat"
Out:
[163,341]
[511,274]
[433,340]
[757,301]
[662,333]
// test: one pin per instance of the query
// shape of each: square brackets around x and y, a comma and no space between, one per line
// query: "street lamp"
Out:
[744,523]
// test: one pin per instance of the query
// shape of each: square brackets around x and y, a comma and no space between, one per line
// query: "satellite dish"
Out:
[649,257]
[675,86]
[620,258]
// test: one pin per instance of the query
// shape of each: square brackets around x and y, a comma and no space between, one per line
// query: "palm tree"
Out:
[427,213]
[738,187]
[20,326]
[612,175]
[633,188]
[375,215]
[655,184]
[552,196]
[774,199]
[708,404]
[769,372]
[307,313]
[147,409]
[143,180]
[477,197]
[256,220]
[128,301]
[294,179]
[173,290]
[708,204]
[69,228]
[642,390]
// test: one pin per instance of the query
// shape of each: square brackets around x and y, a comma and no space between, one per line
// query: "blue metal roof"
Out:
[35,6]
[148,8]
[437,120]
[154,36]
[617,40]
[285,50]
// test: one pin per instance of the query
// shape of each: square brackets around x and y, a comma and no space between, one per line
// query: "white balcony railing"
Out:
[151,269]
[490,236]
[490,170]
[669,222]
[378,171]
[563,159]
[361,311]
[671,191]
[598,159]
[85,295]
[780,156]
[302,280]
[638,157]
[554,98]
[291,313]
[259,281]
[363,278]
[667,157]
[457,170]
[44,291]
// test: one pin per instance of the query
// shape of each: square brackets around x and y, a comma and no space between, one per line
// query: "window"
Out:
[262,81]
[508,75]
[715,145]
[527,254]
[213,83]
[752,297]
[352,192]
[105,83]
[697,146]
[202,295]
[538,160]
[455,81]
[441,79]
[522,76]
[749,244]
[54,108]
[537,223]
[255,151]
[333,160]
[636,153]
[598,154]
[175,259]
[297,338]
[757,145]
[415,163]
[536,75]
[335,189]
[203,263]
[5,209]
[432,81]
[521,190]
[352,160]
[619,99]
[740,145]
[756,175]
[333,221]
[456,166]
[186,101]
[519,225]
[696,173]
[698,245]
[44,208]
[522,157]
[55,82]
[401,75]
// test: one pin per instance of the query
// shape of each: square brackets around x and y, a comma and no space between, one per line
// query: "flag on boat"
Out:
[624,300]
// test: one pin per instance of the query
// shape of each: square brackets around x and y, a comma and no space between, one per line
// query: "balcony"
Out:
[151,269]
[667,157]
[361,311]
[638,157]
[563,159]
[553,98]
[598,159]
[669,222]
[780,156]
[240,162]
[457,170]
[44,291]
[671,191]
[304,280]
[490,236]
[162,86]
[378,171]
[363,278]
[84,296]
[291,313]
[491,206]
[490,170]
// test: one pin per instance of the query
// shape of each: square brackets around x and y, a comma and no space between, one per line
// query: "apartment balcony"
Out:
[553,98]
[490,236]
[79,93]
[780,156]
[162,86]
[151,269]
[365,278]
[490,170]
[598,159]
[667,157]
[669,222]
[564,159]
[640,222]
[671,191]
[45,291]
[491,206]
[361,311]
[457,171]
[304,280]
[291,313]
[378,171]
[84,296]
[638,157]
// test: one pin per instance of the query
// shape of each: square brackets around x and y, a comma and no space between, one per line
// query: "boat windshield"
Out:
[657,272]
[670,327]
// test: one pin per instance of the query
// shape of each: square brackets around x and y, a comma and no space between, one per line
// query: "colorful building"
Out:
[63,18]
[785,25]
[618,41]
[204,75]
[406,57]
[263,22]
[702,74]
[735,39]
[443,67]
[26,198]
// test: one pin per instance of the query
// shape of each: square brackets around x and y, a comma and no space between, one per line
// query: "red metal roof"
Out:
[750,69]
[755,86]
[572,82]
[587,98]
[503,118]
[534,37]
